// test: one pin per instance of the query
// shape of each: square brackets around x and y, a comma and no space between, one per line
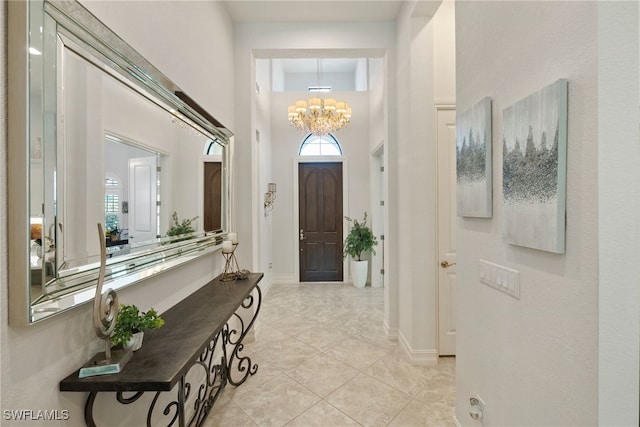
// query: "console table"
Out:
[197,335]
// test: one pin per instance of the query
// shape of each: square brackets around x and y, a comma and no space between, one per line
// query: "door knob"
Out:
[445,264]
[302,234]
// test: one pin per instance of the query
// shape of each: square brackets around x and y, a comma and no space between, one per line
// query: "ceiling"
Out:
[313,10]
[290,11]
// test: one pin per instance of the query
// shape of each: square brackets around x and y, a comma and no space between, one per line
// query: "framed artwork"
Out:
[473,161]
[534,169]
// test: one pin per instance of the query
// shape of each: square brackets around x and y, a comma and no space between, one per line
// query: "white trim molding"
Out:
[418,357]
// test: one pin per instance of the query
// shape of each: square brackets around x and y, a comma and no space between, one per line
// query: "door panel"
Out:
[446,231]
[212,196]
[143,213]
[320,231]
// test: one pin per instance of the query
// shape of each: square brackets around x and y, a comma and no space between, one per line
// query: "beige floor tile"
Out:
[398,372]
[357,354]
[419,414]
[275,402]
[322,338]
[322,374]
[368,401]
[288,354]
[322,415]
[226,413]
[327,340]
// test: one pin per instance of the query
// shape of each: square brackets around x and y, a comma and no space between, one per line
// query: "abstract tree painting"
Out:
[534,169]
[473,161]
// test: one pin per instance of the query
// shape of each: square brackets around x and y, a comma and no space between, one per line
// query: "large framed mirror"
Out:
[99,135]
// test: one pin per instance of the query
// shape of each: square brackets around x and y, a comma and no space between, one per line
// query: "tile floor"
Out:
[324,360]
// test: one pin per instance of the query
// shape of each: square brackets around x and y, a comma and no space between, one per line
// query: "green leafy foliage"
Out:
[131,320]
[360,239]
[178,228]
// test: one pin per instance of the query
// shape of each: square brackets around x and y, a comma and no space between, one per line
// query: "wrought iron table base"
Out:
[227,346]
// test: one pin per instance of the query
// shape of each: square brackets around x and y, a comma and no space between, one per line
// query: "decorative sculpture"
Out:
[105,311]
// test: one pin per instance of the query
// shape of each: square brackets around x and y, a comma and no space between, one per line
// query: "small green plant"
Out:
[360,239]
[179,228]
[131,320]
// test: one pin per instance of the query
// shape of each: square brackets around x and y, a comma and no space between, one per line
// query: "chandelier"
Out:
[320,116]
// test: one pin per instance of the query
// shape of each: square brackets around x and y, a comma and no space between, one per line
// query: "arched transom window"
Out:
[323,145]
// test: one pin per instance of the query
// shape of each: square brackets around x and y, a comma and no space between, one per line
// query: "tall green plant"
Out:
[360,239]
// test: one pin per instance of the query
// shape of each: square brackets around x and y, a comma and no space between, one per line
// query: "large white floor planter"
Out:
[359,272]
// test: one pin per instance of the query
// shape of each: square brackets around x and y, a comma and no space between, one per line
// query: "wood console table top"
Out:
[167,353]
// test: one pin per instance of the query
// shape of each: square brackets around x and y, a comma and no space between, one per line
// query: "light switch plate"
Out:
[504,279]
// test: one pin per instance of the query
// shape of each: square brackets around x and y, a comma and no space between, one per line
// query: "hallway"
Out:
[324,360]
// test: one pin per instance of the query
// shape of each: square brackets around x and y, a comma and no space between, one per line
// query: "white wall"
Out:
[354,140]
[263,112]
[413,234]
[251,41]
[534,361]
[34,359]
[619,213]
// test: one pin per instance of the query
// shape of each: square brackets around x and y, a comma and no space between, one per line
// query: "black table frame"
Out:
[197,336]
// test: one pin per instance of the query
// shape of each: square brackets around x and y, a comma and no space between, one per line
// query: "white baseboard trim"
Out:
[284,279]
[265,286]
[392,333]
[418,357]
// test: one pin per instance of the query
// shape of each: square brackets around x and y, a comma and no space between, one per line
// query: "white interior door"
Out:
[446,128]
[143,215]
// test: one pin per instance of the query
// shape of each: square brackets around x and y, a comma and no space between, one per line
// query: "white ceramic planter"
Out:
[359,273]
[135,342]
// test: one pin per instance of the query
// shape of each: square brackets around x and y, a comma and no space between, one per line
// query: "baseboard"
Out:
[392,333]
[265,286]
[418,357]
[284,279]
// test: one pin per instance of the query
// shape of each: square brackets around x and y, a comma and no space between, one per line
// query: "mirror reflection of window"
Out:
[112,199]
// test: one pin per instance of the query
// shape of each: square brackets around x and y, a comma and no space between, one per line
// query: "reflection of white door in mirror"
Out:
[88,93]
[142,200]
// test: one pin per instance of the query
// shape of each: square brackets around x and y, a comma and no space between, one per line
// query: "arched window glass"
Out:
[212,148]
[323,145]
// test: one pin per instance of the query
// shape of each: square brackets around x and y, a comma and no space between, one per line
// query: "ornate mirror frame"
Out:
[68,24]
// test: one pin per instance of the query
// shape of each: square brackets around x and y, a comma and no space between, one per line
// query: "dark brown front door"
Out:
[212,196]
[320,232]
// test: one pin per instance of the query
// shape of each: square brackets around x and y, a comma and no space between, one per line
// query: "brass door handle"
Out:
[445,264]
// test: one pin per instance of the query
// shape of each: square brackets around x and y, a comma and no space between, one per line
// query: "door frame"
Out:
[296,207]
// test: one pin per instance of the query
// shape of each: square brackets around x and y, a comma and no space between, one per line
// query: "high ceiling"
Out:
[313,10]
[290,11]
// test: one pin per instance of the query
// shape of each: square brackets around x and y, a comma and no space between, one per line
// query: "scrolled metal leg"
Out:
[243,363]
[88,409]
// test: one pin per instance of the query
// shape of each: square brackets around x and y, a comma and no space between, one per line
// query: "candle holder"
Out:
[231,267]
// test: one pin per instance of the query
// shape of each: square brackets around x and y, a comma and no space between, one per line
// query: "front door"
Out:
[320,228]
[212,196]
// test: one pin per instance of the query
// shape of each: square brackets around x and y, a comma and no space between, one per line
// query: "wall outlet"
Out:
[499,277]
[478,409]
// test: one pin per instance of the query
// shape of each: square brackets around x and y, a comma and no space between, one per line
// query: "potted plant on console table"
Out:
[131,324]
[360,239]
